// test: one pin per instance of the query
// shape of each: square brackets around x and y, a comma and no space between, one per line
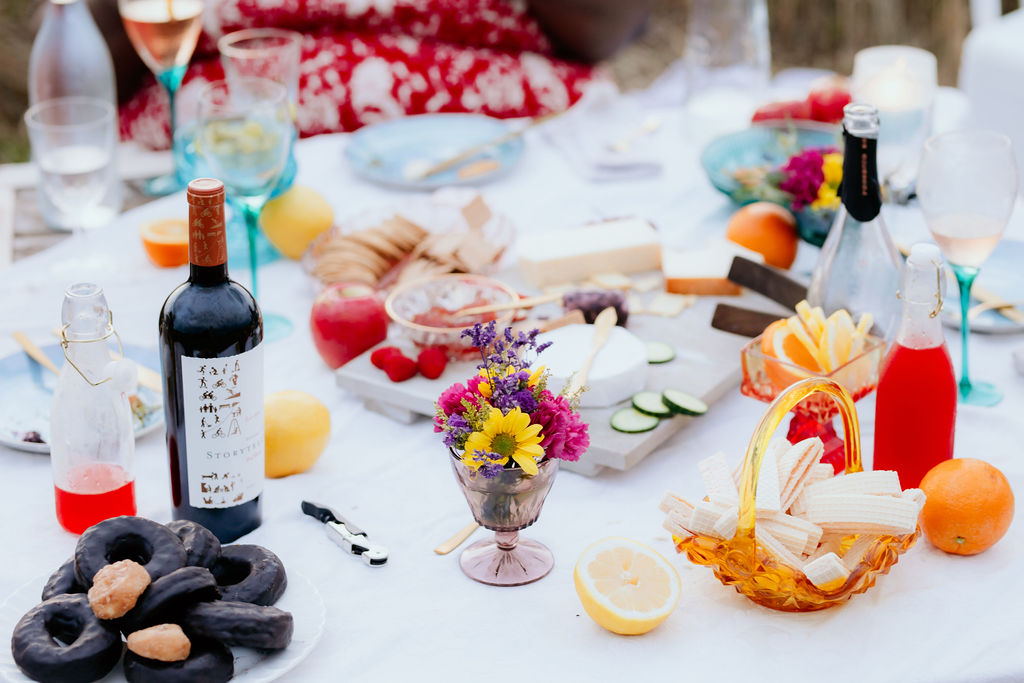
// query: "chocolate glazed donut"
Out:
[62,581]
[202,549]
[170,595]
[250,573]
[240,623]
[152,545]
[92,647]
[209,662]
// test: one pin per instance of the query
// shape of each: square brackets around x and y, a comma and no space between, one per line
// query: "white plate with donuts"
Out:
[301,598]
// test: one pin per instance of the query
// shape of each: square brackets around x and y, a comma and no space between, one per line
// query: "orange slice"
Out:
[780,342]
[166,241]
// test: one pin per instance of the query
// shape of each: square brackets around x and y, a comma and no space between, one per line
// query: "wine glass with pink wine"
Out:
[164,33]
[967,186]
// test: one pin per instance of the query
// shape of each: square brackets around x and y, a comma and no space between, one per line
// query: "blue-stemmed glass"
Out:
[244,133]
[967,185]
[164,33]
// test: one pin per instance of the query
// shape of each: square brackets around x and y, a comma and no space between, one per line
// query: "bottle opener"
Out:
[346,534]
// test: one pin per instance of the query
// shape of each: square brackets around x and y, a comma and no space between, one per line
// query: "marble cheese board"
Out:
[707,365]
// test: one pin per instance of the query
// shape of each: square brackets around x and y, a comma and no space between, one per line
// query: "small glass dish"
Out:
[765,377]
[755,572]
[423,310]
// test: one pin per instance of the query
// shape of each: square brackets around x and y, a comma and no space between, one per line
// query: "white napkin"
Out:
[602,117]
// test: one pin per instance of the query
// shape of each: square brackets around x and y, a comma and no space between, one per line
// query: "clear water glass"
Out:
[73,143]
[728,64]
[967,187]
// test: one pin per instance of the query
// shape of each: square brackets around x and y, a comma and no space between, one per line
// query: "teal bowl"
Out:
[766,145]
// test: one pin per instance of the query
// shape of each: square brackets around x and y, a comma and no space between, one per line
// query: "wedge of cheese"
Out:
[623,245]
[704,271]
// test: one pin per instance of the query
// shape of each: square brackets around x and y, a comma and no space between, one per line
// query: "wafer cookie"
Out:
[671,501]
[862,513]
[877,482]
[798,461]
[826,572]
[768,542]
[718,483]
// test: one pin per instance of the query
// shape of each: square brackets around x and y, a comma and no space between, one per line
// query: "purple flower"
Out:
[566,436]
[456,430]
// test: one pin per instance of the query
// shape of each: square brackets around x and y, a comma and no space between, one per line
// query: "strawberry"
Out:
[827,104]
[382,354]
[399,367]
[432,362]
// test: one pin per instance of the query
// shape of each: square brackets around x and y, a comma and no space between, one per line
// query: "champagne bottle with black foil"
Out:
[859,268]
[210,345]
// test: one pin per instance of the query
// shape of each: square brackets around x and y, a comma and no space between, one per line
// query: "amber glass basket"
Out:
[753,570]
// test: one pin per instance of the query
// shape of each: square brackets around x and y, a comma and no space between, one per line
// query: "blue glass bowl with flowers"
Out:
[796,166]
[505,433]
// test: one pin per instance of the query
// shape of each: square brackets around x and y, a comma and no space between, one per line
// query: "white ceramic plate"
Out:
[27,391]
[301,598]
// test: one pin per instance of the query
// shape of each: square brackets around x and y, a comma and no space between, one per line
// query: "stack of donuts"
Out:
[177,596]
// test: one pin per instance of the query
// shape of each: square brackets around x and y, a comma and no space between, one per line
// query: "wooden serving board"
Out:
[707,364]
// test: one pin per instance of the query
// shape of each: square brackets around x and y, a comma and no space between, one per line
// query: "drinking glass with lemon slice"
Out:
[810,345]
[244,133]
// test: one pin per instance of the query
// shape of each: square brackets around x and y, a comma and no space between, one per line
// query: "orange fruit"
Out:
[779,342]
[969,506]
[768,229]
[166,241]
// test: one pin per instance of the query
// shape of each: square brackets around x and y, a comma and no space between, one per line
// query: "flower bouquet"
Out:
[506,432]
[807,184]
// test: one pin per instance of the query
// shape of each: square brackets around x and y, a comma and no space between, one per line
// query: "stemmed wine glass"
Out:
[967,186]
[164,33]
[73,141]
[244,133]
[275,54]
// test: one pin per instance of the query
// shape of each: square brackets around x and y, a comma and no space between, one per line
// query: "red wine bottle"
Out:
[210,348]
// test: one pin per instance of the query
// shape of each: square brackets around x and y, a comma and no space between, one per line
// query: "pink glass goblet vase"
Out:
[505,504]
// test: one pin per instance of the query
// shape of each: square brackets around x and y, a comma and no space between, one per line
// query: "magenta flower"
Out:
[450,402]
[565,435]
[802,176]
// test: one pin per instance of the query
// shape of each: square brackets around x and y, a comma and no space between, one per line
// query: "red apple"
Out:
[347,319]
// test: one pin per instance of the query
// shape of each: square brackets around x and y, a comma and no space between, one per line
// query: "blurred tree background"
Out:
[810,33]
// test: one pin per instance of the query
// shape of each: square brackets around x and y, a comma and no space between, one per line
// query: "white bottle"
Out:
[69,58]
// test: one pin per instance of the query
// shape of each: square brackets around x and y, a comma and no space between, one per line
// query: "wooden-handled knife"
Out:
[767,281]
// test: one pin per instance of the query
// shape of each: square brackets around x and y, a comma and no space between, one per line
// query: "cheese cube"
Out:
[624,245]
[704,271]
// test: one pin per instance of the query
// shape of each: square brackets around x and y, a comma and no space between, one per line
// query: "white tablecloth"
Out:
[934,618]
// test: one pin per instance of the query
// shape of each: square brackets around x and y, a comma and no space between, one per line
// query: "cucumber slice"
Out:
[632,421]
[650,403]
[681,402]
[659,352]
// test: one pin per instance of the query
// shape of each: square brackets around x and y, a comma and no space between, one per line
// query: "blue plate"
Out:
[762,145]
[385,152]
[1001,275]
[27,392]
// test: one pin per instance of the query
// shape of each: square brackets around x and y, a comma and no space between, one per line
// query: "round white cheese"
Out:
[619,370]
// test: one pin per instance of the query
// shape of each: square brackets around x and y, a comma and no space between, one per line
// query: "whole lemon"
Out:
[294,219]
[297,428]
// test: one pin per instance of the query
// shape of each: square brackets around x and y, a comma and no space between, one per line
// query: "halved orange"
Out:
[166,241]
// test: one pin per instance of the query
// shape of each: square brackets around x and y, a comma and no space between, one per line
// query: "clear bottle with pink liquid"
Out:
[92,441]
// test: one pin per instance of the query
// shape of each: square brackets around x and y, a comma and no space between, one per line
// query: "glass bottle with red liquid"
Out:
[92,440]
[915,409]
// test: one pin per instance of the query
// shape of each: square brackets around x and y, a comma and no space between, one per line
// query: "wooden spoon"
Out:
[34,352]
[456,540]
[603,325]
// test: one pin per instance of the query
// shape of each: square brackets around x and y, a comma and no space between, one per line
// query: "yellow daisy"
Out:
[509,436]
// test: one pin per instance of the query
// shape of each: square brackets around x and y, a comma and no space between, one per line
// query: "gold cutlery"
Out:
[456,540]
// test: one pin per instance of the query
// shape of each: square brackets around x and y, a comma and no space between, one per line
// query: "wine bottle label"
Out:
[224,428]
[860,190]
